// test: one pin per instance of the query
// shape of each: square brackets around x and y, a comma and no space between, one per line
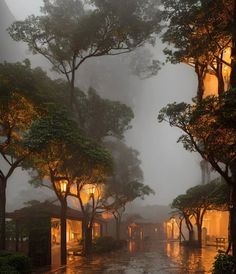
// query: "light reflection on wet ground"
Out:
[146,258]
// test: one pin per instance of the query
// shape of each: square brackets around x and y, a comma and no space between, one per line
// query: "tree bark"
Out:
[180,231]
[87,232]
[200,71]
[117,228]
[190,228]
[233,211]
[63,234]
[221,85]
[191,236]
[2,214]
[199,235]
[233,50]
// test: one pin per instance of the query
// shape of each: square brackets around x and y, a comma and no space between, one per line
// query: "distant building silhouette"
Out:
[206,172]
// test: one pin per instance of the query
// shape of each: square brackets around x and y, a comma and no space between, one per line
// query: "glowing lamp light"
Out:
[62,186]
[91,190]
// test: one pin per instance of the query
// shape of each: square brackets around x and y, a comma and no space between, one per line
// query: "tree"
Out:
[182,203]
[71,32]
[206,197]
[60,154]
[125,184]
[88,189]
[209,129]
[114,117]
[17,111]
[200,32]
[197,200]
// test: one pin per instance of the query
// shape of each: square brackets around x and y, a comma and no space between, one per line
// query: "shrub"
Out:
[20,262]
[223,264]
[7,269]
[106,244]
[16,262]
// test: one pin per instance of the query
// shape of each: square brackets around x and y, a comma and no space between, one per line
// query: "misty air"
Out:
[117,136]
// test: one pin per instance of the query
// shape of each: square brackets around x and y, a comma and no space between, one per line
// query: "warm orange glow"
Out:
[63,186]
[96,230]
[215,223]
[90,189]
[172,229]
[211,81]
[210,85]
[107,215]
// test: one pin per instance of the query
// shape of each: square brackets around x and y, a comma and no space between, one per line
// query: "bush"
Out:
[20,262]
[14,263]
[7,269]
[106,244]
[223,264]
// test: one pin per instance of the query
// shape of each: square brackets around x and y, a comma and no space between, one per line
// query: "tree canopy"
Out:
[208,128]
[70,32]
[200,32]
[114,117]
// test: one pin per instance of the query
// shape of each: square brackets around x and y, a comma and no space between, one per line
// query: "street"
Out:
[145,257]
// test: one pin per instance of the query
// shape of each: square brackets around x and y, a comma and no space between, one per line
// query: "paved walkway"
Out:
[145,258]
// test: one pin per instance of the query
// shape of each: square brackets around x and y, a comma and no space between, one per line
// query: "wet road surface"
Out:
[145,258]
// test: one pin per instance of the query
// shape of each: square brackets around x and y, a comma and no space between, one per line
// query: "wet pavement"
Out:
[145,258]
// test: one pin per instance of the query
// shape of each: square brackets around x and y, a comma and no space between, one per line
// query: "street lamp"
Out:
[91,190]
[62,186]
[172,220]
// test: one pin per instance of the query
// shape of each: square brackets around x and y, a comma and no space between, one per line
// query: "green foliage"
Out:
[198,30]
[7,269]
[99,29]
[33,84]
[224,263]
[199,33]
[214,195]
[114,117]
[209,128]
[20,262]
[15,263]
[60,151]
[126,183]
[105,28]
[107,244]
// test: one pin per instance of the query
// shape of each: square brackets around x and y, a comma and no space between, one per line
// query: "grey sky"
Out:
[168,168]
[23,8]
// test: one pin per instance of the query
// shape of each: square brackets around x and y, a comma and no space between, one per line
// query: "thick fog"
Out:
[167,167]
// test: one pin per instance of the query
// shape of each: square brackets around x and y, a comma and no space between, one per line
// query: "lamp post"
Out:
[172,221]
[62,188]
[91,191]
[88,220]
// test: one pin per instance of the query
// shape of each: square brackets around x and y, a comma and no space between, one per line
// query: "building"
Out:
[143,229]
[37,232]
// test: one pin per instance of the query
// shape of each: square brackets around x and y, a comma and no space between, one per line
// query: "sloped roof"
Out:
[46,209]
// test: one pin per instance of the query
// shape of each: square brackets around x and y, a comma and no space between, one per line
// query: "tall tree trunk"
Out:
[87,231]
[200,71]
[233,166]
[190,229]
[117,228]
[191,236]
[199,235]
[180,231]
[221,85]
[89,240]
[233,211]
[2,214]
[72,91]
[233,50]
[63,234]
